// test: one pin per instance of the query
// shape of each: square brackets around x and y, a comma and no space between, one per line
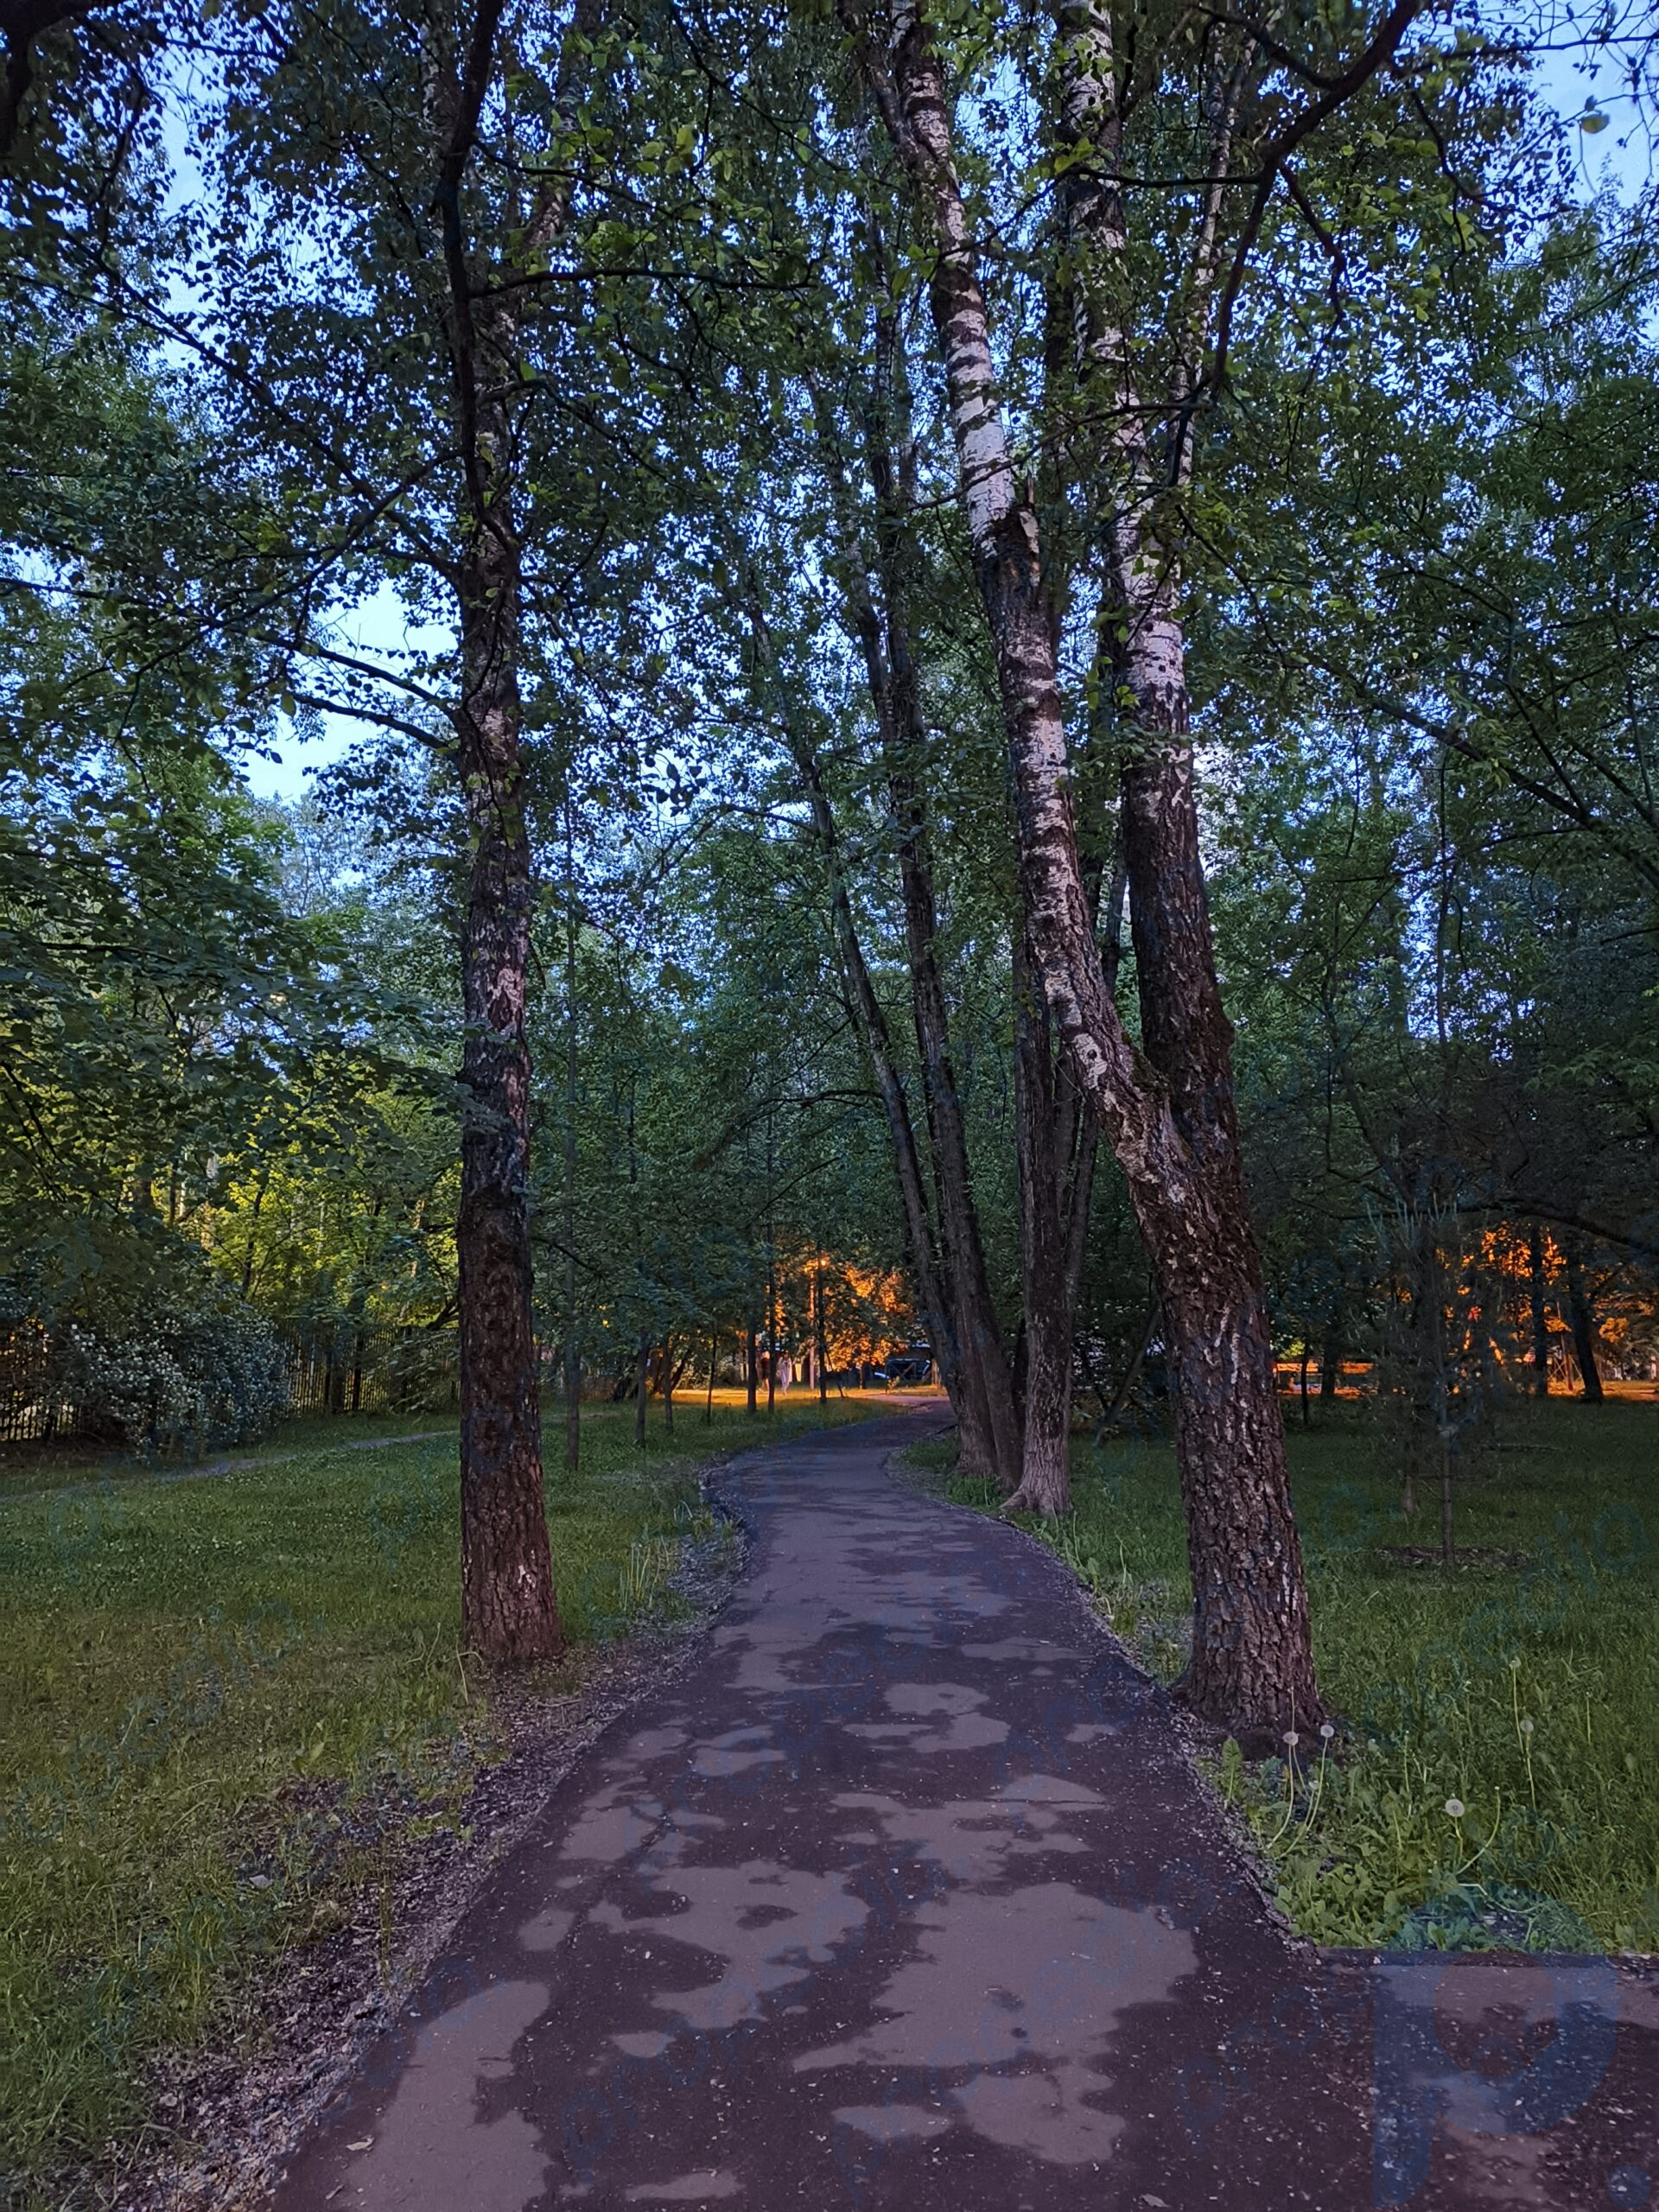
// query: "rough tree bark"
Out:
[1045,1476]
[572,1327]
[1252,1664]
[509,1613]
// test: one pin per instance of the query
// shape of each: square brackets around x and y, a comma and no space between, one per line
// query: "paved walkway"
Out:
[906,1898]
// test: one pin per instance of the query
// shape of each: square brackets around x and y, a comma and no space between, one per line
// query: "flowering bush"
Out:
[187,1378]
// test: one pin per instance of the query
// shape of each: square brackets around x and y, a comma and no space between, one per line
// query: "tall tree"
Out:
[1167,1108]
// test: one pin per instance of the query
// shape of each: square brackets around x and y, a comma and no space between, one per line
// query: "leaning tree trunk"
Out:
[984,1355]
[895,689]
[929,1269]
[972,1358]
[1228,1423]
[1252,1666]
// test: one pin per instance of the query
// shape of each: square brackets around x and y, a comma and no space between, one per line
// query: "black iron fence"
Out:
[31,1410]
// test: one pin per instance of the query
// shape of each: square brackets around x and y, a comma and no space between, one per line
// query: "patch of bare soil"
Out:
[228,2118]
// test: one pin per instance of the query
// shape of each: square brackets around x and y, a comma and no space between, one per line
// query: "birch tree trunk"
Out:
[1045,1469]
[1252,1663]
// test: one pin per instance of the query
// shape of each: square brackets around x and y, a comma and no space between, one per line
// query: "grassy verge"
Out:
[221,1703]
[1496,1779]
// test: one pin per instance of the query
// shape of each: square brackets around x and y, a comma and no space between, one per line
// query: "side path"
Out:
[206,1470]
[906,1897]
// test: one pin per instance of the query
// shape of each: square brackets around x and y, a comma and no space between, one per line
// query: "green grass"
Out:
[26,1469]
[1528,1696]
[224,1700]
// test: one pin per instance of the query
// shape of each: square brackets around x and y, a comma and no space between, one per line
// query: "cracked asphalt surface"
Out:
[907,1895]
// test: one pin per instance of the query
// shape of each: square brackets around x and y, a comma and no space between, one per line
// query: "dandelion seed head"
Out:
[1526,1725]
[1292,1738]
[1454,1806]
[1327,1729]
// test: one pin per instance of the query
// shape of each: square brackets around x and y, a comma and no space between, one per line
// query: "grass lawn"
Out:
[202,1678]
[1524,1692]
[26,1470]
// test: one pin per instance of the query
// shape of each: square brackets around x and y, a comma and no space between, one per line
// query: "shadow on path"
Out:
[907,1897]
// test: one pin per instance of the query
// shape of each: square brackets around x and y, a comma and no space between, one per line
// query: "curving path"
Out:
[906,1897]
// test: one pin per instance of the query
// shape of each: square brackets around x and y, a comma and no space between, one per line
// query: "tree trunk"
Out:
[748,1338]
[1044,1473]
[1251,1667]
[976,1450]
[895,689]
[1540,1314]
[1330,1367]
[984,1357]
[1582,1314]
[253,1224]
[641,1387]
[508,1609]
[771,1308]
[668,1384]
[572,1340]
[822,1359]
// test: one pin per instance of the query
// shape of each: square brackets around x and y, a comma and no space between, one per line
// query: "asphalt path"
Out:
[906,1894]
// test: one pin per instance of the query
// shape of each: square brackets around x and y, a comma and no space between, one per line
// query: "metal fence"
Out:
[31,1411]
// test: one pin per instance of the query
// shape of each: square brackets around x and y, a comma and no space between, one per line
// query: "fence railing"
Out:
[31,1410]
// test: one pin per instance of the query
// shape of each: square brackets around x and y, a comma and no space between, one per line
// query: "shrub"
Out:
[190,1377]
